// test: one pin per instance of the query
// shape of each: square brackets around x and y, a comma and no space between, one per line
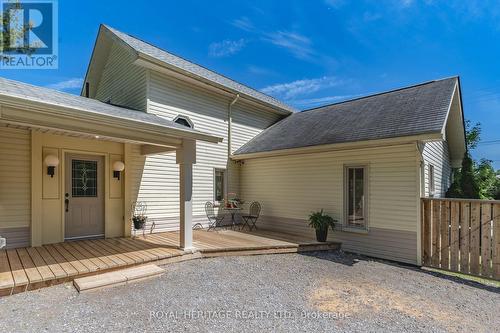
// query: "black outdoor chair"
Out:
[214,219]
[252,217]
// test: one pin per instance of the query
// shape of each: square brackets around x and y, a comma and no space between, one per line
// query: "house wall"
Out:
[291,187]
[122,83]
[156,177]
[47,198]
[437,154]
[15,192]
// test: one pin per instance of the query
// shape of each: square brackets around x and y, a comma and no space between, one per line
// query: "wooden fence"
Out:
[462,235]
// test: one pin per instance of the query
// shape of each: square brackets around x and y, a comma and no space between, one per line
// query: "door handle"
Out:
[66,203]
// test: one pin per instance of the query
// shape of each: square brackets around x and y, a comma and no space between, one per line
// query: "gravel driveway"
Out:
[273,293]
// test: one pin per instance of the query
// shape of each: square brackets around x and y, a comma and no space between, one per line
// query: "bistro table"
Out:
[233,211]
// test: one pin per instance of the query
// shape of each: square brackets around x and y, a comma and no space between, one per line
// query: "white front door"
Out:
[84,196]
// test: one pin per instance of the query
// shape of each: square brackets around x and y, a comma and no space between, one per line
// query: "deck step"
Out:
[116,278]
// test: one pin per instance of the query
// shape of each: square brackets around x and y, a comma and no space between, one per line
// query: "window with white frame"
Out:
[432,185]
[355,197]
[219,186]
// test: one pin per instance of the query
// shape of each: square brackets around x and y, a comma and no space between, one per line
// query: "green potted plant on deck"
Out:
[321,222]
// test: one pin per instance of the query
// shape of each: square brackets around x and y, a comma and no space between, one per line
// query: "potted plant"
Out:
[233,201]
[321,222]
[139,221]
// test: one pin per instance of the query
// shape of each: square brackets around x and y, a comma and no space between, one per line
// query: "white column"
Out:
[186,157]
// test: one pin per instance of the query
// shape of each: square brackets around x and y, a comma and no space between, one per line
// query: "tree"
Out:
[468,182]
[487,179]
[473,180]
[472,135]
[496,190]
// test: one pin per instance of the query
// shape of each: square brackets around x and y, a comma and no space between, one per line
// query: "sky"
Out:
[306,53]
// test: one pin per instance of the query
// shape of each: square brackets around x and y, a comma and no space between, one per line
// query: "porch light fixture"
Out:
[118,167]
[51,161]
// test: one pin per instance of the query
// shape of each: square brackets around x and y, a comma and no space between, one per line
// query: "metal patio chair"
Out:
[214,219]
[252,217]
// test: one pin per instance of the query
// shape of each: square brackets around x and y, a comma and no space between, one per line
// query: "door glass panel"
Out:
[83,178]
[356,197]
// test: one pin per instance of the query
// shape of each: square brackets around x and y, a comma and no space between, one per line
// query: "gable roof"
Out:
[414,110]
[150,52]
[10,89]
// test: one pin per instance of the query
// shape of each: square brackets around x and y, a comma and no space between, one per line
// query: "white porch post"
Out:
[186,157]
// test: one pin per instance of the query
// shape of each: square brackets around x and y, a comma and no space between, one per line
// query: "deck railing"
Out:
[462,235]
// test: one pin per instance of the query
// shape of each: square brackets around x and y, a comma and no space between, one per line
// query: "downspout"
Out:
[229,124]
[229,142]
[420,148]
[420,184]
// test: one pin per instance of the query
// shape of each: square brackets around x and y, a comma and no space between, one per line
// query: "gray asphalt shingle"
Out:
[50,96]
[197,70]
[408,111]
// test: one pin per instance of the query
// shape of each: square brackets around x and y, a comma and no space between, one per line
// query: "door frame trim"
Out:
[105,156]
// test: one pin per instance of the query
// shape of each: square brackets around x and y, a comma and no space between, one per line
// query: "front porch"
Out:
[35,267]
[72,167]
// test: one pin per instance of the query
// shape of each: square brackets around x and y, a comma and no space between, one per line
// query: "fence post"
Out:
[454,248]
[426,235]
[486,240]
[474,237]
[445,240]
[496,241]
[435,233]
[464,237]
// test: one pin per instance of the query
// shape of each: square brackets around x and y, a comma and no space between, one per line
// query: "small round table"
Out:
[233,211]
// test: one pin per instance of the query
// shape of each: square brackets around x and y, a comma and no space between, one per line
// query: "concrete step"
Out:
[116,278]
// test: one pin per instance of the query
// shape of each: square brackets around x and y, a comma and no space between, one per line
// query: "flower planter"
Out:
[321,234]
[321,222]
[139,223]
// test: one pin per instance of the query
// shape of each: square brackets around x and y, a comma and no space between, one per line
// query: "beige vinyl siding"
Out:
[291,187]
[168,98]
[248,121]
[437,154]
[156,177]
[15,188]
[122,83]
[155,181]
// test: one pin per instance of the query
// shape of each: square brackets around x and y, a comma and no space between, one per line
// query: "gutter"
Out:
[433,136]
[58,110]
[229,124]
[147,61]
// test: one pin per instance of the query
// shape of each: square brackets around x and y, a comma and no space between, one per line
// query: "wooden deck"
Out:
[35,267]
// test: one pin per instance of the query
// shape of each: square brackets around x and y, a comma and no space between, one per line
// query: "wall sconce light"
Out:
[51,161]
[118,167]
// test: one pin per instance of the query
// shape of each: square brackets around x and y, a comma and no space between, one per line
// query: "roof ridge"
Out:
[383,93]
[113,30]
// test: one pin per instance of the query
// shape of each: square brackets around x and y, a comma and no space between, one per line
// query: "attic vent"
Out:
[184,121]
